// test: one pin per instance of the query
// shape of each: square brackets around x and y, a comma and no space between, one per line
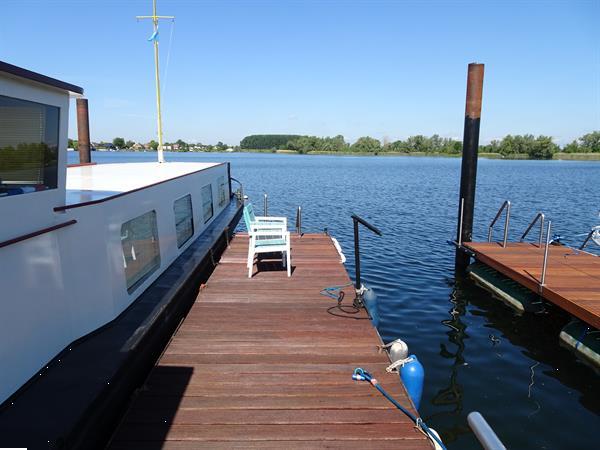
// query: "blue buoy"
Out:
[370,299]
[413,376]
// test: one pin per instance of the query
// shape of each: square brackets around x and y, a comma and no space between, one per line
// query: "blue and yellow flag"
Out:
[154,36]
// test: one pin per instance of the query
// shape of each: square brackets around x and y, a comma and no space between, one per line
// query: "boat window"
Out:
[222,193]
[207,202]
[28,146]
[184,222]
[141,254]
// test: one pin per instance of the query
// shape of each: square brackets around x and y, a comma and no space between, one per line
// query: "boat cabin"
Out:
[78,245]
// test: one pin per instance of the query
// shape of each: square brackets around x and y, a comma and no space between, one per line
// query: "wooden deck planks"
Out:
[572,277]
[259,363]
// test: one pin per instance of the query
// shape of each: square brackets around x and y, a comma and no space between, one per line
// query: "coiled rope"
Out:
[337,293]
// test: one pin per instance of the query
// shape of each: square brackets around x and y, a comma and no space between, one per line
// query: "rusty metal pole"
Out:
[83,131]
[468,176]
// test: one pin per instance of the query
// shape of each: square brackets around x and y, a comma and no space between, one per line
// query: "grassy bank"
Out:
[578,156]
[558,156]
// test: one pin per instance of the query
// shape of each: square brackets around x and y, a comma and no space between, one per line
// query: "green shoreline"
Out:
[556,156]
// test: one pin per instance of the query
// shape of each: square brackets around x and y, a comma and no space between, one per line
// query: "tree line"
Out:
[527,146]
[179,145]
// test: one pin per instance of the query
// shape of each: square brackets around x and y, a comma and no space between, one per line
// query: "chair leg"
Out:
[250,262]
[289,262]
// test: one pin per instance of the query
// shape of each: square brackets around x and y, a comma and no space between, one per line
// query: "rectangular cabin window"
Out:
[207,202]
[141,254]
[28,146]
[222,191]
[184,222]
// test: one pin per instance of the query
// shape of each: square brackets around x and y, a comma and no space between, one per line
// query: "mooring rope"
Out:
[362,375]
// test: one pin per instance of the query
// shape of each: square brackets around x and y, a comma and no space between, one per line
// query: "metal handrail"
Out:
[460,223]
[357,283]
[545,263]
[541,217]
[241,189]
[588,237]
[299,220]
[505,205]
[484,433]
[266,206]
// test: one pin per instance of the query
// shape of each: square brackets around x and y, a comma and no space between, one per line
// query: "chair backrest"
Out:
[247,219]
[251,215]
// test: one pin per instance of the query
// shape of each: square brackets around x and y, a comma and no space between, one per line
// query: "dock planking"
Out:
[572,277]
[260,363]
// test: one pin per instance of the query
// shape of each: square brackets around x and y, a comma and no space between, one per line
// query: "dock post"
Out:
[468,175]
[83,131]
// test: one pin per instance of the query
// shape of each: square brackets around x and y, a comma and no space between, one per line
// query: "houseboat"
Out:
[98,265]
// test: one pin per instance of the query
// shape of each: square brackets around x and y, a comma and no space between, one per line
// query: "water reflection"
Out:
[450,397]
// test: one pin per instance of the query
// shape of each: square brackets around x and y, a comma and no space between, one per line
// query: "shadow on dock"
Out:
[154,409]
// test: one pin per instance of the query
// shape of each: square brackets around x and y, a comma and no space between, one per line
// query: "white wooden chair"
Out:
[256,222]
[268,241]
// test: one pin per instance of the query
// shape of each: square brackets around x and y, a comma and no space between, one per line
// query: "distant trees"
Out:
[267,141]
[511,146]
[526,146]
[119,142]
[588,143]
[366,144]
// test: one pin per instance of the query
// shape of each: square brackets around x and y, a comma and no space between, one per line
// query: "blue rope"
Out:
[362,375]
[333,291]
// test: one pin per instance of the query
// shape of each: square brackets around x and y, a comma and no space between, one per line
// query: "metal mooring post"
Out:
[468,175]
[83,131]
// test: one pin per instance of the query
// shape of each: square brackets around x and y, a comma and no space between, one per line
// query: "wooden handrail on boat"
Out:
[36,233]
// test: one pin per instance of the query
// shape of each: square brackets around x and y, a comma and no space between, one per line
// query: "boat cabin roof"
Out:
[19,72]
[96,183]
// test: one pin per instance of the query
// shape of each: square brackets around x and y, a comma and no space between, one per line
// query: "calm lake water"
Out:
[535,394]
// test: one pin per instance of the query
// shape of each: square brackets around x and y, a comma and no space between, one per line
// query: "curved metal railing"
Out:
[505,205]
[541,217]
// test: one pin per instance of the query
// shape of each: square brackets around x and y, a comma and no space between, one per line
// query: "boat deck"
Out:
[260,363]
[572,277]
[93,183]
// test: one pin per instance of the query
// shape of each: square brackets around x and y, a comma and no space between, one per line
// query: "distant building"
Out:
[137,146]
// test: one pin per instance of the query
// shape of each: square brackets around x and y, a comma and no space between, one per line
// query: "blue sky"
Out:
[388,69]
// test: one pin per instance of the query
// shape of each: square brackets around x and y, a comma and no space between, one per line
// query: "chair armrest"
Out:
[271,219]
[276,232]
[276,227]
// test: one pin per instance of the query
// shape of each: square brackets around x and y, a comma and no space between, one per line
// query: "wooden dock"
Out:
[261,363]
[572,277]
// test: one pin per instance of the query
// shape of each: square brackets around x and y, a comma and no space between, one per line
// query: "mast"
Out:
[154,38]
